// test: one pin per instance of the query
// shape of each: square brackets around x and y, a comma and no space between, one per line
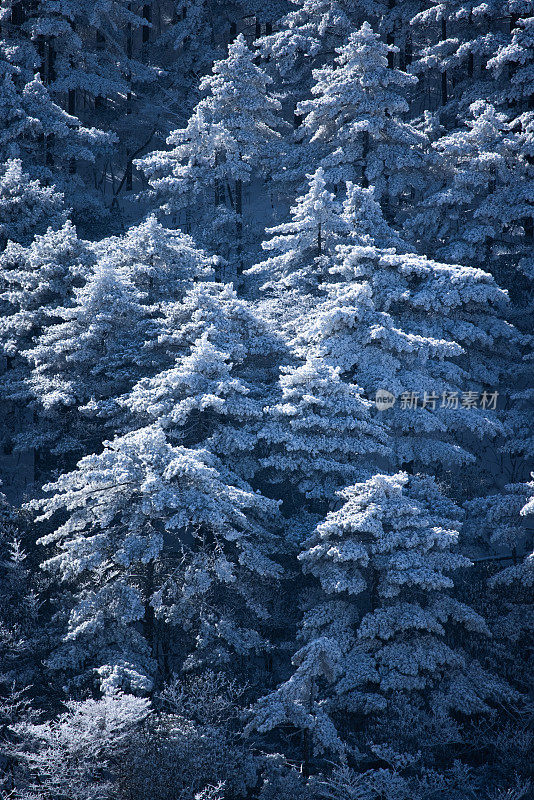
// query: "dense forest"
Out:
[266,399]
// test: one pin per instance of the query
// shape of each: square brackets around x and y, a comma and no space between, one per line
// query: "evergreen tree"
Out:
[498,533]
[231,134]
[477,216]
[513,60]
[321,435]
[309,32]
[375,324]
[159,261]
[26,206]
[34,279]
[47,139]
[153,528]
[224,367]
[456,40]
[304,252]
[354,124]
[19,604]
[93,353]
[395,540]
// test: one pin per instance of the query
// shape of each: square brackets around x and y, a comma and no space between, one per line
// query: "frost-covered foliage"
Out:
[26,206]
[376,324]
[139,503]
[224,365]
[81,751]
[354,121]
[161,262]
[478,217]
[393,543]
[321,435]
[304,252]
[266,305]
[231,133]
[93,351]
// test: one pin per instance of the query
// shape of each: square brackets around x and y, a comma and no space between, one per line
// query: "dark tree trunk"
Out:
[239,212]
[147,14]
[365,156]
[391,56]
[444,96]
[18,16]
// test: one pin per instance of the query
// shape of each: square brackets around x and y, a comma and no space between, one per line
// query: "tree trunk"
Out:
[239,212]
[444,97]
[390,39]
[306,738]
[365,155]
[147,14]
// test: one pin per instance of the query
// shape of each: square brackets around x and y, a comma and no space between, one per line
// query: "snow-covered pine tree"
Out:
[382,620]
[306,35]
[160,262]
[497,529]
[231,136]
[223,372]
[304,251]
[319,437]
[354,121]
[477,216]
[19,604]
[26,206]
[157,529]
[47,139]
[375,324]
[455,39]
[512,66]
[33,280]
[87,49]
[82,750]
[93,352]
[512,62]
[36,278]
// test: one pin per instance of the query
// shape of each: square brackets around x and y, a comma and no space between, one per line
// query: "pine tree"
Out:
[153,528]
[496,530]
[314,29]
[160,262]
[47,139]
[26,206]
[79,751]
[20,648]
[393,539]
[477,217]
[231,135]
[456,39]
[375,324]
[93,353]
[224,366]
[321,435]
[354,124]
[36,278]
[304,252]
[33,280]
[86,48]
[513,60]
